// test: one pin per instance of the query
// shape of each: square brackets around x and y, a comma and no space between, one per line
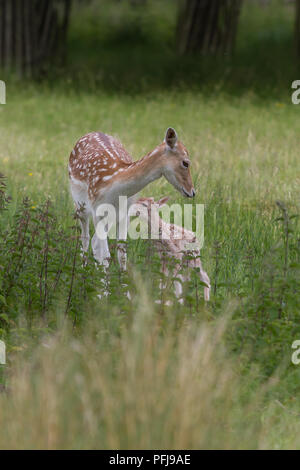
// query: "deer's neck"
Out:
[140,173]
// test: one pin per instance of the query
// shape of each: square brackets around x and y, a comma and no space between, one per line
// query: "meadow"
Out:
[117,373]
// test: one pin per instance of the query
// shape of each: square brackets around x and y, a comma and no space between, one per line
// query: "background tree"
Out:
[207,25]
[31,33]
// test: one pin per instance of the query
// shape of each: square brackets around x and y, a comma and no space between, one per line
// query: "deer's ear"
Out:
[163,201]
[171,137]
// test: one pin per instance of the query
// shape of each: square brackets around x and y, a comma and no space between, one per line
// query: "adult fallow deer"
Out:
[101,170]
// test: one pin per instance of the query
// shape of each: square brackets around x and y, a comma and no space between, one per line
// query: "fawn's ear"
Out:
[163,201]
[171,137]
[144,201]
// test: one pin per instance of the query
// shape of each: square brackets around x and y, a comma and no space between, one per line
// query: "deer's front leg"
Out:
[101,250]
[102,256]
[102,224]
[122,232]
[122,229]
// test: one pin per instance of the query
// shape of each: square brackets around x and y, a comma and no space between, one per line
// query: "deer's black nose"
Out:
[193,192]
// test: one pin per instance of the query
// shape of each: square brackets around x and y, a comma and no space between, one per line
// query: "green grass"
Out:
[133,374]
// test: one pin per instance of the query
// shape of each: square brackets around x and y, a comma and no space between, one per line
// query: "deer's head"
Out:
[176,164]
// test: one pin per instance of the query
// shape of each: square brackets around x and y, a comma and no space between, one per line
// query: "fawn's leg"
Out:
[178,283]
[204,278]
[165,272]
[162,283]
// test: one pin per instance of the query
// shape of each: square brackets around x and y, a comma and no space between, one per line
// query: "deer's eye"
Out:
[185,163]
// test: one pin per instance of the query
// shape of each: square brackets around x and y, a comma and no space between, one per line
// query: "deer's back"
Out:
[95,158]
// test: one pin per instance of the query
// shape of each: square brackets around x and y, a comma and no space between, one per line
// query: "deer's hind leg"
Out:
[85,231]
[80,197]
[101,250]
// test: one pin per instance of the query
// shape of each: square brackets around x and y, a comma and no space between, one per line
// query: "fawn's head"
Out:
[147,207]
[176,164]
[150,203]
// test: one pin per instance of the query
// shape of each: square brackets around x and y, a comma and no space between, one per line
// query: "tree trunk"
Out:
[32,32]
[207,26]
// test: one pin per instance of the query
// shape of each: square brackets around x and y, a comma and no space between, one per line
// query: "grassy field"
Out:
[84,373]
